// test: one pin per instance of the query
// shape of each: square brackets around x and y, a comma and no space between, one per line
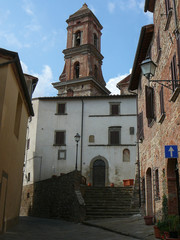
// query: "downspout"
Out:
[82,130]
[138,155]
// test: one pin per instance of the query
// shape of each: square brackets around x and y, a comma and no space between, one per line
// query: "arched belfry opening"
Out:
[77,39]
[76,69]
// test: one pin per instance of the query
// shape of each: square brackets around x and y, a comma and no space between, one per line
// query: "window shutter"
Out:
[174,72]
[114,137]
[114,109]
[178,50]
[158,42]
[167,4]
[140,129]
[60,138]
[149,102]
[161,93]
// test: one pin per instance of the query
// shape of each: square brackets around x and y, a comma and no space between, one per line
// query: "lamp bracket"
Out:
[161,82]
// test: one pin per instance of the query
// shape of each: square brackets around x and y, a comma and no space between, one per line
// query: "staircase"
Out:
[107,202]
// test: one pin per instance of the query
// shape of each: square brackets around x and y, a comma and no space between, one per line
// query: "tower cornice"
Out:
[83,49]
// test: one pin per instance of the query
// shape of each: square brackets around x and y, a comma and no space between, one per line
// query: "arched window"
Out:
[95,40]
[95,71]
[76,70]
[126,155]
[77,39]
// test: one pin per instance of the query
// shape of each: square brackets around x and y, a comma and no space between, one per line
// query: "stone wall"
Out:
[58,197]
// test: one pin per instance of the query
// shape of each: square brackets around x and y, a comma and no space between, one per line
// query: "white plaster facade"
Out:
[88,116]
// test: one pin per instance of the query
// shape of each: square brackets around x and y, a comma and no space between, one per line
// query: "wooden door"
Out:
[99,173]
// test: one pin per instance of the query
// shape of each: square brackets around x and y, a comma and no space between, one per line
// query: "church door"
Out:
[99,173]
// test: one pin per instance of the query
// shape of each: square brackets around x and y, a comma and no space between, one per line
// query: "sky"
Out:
[36,29]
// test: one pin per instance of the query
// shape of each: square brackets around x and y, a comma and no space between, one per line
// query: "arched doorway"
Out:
[149,206]
[173,186]
[99,168]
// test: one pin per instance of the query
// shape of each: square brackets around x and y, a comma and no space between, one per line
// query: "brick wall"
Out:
[166,132]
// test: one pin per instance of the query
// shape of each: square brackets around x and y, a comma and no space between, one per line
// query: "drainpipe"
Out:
[82,130]
[138,155]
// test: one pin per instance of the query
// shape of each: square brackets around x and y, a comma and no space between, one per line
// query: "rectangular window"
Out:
[149,104]
[60,138]
[114,109]
[18,116]
[158,42]
[157,183]
[114,135]
[61,154]
[161,93]
[174,73]
[28,143]
[178,50]
[140,129]
[131,130]
[29,177]
[61,108]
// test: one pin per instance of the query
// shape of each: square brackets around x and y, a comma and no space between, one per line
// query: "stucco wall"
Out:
[97,120]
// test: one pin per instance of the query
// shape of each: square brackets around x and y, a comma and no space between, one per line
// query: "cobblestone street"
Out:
[45,229]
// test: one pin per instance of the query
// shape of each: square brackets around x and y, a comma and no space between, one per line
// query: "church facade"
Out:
[107,124]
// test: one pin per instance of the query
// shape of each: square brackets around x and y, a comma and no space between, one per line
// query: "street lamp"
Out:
[148,68]
[77,138]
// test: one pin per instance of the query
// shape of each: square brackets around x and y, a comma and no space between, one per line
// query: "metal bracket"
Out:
[159,82]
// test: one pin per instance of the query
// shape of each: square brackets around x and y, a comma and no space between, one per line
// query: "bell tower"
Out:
[82,74]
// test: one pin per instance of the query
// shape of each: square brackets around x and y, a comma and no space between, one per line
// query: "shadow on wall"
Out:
[58,197]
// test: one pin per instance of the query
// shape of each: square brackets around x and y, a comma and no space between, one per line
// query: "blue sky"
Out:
[36,29]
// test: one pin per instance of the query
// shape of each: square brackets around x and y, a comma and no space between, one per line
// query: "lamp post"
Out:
[77,138]
[148,68]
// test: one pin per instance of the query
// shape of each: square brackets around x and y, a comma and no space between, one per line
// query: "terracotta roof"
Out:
[141,52]
[149,5]
[83,11]
[125,80]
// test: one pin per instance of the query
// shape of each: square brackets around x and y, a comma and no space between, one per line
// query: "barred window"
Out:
[150,104]
[140,127]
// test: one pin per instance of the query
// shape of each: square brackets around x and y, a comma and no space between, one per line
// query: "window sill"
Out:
[59,145]
[60,113]
[162,118]
[175,94]
[168,19]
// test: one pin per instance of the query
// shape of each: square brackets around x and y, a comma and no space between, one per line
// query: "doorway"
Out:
[3,193]
[173,186]
[149,206]
[99,168]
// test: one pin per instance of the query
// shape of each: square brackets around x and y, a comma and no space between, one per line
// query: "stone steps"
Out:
[102,202]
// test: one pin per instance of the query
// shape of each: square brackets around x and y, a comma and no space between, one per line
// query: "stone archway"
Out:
[149,202]
[173,186]
[99,171]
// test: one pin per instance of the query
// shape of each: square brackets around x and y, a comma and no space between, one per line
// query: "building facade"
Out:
[15,108]
[107,147]
[159,107]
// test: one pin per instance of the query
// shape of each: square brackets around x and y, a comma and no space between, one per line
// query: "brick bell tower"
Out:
[82,74]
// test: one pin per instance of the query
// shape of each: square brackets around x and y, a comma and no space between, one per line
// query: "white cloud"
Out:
[28,7]
[24,68]
[111,84]
[111,7]
[9,39]
[44,87]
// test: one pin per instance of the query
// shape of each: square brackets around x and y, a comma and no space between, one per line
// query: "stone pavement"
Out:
[49,229]
[133,226]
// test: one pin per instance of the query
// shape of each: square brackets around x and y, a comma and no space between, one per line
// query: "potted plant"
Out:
[174,226]
[148,220]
